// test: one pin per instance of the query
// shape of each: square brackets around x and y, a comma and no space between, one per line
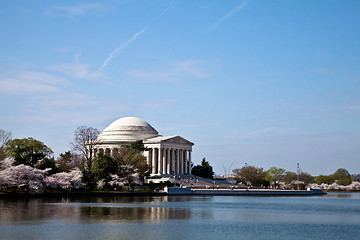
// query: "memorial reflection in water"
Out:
[85,210]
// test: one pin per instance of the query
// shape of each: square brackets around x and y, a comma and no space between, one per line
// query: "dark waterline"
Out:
[334,216]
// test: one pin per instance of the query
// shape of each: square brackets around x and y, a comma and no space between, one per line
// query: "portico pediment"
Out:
[170,139]
[177,139]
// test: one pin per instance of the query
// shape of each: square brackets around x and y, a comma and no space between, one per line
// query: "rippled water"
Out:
[335,216]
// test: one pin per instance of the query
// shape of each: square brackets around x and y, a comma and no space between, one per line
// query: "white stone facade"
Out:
[166,155]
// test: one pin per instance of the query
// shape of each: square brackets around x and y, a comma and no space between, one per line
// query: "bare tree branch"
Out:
[85,141]
[4,138]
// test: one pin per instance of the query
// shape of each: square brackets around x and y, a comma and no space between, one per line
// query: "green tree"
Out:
[324,179]
[28,151]
[249,174]
[48,163]
[104,165]
[342,176]
[138,146]
[68,161]
[289,177]
[306,178]
[274,175]
[204,170]
[341,173]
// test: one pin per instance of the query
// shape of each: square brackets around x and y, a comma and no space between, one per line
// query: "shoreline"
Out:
[78,194]
[250,192]
[243,192]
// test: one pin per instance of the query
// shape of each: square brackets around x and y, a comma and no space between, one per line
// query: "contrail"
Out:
[238,8]
[122,46]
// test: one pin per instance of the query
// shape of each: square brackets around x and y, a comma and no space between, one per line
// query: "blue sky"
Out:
[263,82]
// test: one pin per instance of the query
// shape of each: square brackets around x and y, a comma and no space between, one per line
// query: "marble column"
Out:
[149,159]
[168,161]
[164,160]
[160,165]
[177,161]
[185,162]
[181,162]
[172,161]
[189,161]
[154,161]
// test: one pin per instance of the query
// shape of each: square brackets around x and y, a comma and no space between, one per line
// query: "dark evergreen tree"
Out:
[48,163]
[68,161]
[204,170]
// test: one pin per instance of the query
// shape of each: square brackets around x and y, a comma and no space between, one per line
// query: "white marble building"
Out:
[167,155]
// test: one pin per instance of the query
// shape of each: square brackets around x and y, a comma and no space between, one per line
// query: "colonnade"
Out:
[107,151]
[169,161]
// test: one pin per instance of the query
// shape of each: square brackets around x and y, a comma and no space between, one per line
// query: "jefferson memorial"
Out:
[166,155]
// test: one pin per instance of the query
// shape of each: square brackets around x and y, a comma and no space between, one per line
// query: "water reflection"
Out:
[90,210]
[343,195]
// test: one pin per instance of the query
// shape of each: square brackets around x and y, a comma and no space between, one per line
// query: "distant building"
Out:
[167,155]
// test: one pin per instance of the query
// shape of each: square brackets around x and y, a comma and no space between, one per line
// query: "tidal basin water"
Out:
[334,216]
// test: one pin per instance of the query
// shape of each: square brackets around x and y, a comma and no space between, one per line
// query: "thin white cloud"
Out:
[237,9]
[191,67]
[171,72]
[260,132]
[275,130]
[77,57]
[171,5]
[31,82]
[121,47]
[75,10]
[78,70]
[297,106]
[43,98]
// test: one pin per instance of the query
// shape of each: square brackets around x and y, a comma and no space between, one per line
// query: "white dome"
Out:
[127,129]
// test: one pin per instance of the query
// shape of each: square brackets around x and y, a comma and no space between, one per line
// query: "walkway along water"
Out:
[245,192]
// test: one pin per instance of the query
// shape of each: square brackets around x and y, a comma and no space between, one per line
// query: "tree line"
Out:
[277,177]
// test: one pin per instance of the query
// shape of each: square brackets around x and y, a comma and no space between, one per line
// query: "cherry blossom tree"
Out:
[65,180]
[25,177]
[335,186]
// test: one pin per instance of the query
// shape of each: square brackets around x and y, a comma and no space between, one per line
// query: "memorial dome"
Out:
[128,129]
